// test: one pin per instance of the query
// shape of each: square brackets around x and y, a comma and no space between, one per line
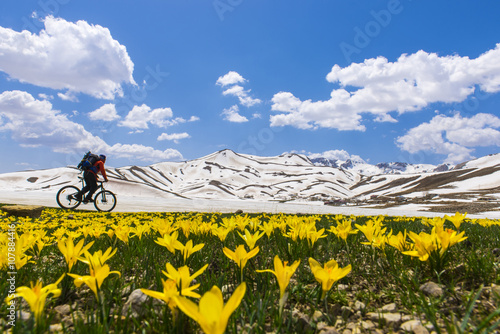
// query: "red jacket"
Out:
[99,165]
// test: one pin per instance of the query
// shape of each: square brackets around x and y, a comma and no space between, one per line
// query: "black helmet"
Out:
[102,157]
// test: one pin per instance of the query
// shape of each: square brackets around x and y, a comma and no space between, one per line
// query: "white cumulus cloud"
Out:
[105,113]
[232,115]
[175,137]
[230,78]
[140,116]
[76,57]
[34,123]
[379,87]
[242,95]
[454,136]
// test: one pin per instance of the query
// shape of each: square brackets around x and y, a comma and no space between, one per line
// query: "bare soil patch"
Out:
[472,208]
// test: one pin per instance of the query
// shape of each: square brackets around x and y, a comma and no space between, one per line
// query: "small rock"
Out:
[77,315]
[55,328]
[134,303]
[303,325]
[414,326]
[228,288]
[353,327]
[367,325]
[389,308]
[431,289]
[63,309]
[31,211]
[126,290]
[359,306]
[328,330]
[390,318]
[318,315]
[25,315]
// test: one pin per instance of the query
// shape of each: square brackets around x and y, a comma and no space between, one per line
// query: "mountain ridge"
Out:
[290,176]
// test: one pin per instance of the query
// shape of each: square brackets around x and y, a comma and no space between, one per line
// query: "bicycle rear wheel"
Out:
[105,201]
[65,197]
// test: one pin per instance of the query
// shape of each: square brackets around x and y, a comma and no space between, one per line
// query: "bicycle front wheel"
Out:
[105,201]
[66,197]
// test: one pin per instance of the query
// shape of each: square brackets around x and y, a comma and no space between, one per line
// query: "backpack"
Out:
[88,161]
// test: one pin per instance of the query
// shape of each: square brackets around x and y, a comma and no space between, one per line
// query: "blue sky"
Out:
[150,81]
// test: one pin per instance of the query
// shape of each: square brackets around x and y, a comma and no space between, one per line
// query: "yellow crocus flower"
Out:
[267,228]
[220,231]
[98,258]
[139,230]
[72,252]
[313,235]
[240,256]
[98,270]
[211,314]
[250,238]
[170,241]
[21,259]
[188,249]
[424,245]
[399,241]
[374,232]
[36,295]
[94,281]
[170,291]
[86,230]
[122,232]
[434,221]
[457,219]
[343,229]
[283,273]
[448,238]
[183,279]
[185,226]
[328,274]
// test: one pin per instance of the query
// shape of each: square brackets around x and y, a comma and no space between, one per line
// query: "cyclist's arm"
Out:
[101,169]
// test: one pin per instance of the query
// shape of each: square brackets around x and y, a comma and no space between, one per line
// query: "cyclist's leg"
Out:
[79,195]
[91,182]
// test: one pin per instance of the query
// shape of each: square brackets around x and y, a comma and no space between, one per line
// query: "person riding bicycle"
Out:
[90,177]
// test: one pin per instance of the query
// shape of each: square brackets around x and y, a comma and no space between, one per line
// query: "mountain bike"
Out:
[104,200]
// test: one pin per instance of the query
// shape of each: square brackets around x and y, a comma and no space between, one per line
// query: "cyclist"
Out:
[90,177]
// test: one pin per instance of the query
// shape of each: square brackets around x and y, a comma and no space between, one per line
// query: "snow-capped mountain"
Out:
[229,175]
[362,167]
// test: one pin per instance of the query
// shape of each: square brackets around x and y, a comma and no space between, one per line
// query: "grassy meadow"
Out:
[77,271]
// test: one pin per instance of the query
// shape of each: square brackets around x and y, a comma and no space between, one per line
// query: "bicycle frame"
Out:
[104,200]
